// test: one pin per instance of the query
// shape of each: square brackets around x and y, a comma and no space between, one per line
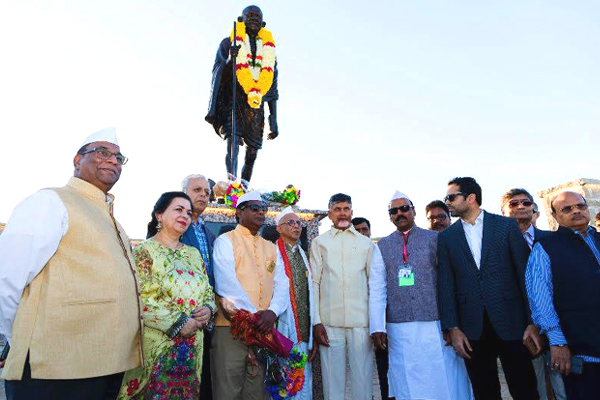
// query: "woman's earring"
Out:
[159,226]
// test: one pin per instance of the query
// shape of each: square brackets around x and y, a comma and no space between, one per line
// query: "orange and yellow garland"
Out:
[256,77]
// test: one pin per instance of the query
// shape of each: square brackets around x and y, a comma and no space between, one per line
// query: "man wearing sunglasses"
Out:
[296,322]
[518,203]
[250,276]
[438,216]
[69,301]
[563,285]
[482,296]
[403,311]
[340,260]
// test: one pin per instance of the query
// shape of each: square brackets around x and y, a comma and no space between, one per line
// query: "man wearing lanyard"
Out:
[402,292]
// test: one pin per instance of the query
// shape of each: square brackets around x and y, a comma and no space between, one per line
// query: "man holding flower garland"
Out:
[256,77]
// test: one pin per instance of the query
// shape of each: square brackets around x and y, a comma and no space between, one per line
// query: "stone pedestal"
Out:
[588,188]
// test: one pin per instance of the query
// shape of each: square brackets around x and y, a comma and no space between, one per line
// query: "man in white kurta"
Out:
[402,292]
[340,261]
[296,322]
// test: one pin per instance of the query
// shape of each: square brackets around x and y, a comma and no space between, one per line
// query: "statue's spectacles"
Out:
[104,154]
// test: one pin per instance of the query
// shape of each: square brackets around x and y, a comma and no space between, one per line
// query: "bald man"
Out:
[563,286]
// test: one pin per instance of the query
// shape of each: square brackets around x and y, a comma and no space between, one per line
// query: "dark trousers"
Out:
[99,388]
[516,363]
[585,386]
[206,382]
[383,364]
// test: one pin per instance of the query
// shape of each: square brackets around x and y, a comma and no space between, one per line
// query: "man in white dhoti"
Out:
[296,321]
[404,277]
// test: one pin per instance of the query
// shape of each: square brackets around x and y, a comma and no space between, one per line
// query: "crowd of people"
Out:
[89,317]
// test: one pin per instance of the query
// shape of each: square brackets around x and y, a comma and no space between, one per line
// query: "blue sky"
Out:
[374,97]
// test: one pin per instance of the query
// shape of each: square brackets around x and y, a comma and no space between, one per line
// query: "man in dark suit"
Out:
[200,237]
[481,285]
[518,203]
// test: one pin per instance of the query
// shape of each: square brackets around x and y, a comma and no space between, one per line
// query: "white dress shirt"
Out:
[529,235]
[474,235]
[229,287]
[31,238]
[377,292]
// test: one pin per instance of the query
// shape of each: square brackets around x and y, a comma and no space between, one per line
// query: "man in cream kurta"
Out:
[250,276]
[296,322]
[340,260]
[69,299]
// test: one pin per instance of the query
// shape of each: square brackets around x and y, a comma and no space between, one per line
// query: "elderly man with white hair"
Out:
[403,312]
[199,236]
[249,275]
[296,321]
[69,303]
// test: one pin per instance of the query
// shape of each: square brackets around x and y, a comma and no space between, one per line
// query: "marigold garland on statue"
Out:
[255,77]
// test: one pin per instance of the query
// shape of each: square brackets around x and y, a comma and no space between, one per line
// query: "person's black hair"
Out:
[163,202]
[468,185]
[360,220]
[339,198]
[437,204]
[597,217]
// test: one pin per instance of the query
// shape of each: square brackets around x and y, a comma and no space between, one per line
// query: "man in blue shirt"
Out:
[563,286]
[200,237]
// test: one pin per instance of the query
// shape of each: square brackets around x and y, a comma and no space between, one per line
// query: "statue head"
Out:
[252,16]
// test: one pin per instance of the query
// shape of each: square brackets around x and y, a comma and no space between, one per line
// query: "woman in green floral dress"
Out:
[178,304]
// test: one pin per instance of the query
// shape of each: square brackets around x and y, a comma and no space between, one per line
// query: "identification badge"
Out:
[406,276]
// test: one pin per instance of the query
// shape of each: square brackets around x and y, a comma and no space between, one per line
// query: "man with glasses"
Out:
[199,236]
[518,203]
[69,303]
[340,260]
[597,221]
[250,276]
[438,216]
[563,285]
[403,311]
[482,299]
[296,321]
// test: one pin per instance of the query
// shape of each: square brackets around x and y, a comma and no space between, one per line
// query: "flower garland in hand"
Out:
[256,77]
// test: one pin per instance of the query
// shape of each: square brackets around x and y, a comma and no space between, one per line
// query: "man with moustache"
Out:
[518,203]
[69,303]
[482,297]
[403,310]
[250,276]
[438,216]
[563,284]
[340,259]
[199,236]
[296,322]
[362,226]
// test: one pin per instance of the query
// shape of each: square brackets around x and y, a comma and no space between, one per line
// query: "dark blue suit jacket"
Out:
[189,238]
[464,291]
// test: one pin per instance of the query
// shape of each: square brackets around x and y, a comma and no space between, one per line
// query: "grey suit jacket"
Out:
[498,288]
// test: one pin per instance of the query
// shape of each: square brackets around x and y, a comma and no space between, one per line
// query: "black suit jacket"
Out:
[189,238]
[538,234]
[498,287]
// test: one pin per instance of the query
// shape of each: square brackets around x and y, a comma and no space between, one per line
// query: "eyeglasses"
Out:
[570,209]
[292,222]
[515,203]
[452,197]
[404,208]
[254,207]
[440,217]
[104,154]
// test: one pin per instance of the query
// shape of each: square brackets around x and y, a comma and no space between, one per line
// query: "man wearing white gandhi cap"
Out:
[403,312]
[69,304]
[249,275]
[296,321]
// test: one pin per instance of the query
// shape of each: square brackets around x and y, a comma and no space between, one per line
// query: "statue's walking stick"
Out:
[233,150]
